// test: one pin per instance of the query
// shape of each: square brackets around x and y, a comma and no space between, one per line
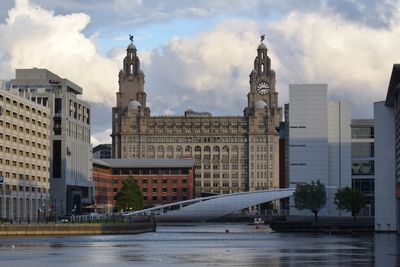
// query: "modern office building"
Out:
[102,151]
[319,144]
[232,153]
[387,157]
[162,181]
[24,158]
[71,185]
[362,161]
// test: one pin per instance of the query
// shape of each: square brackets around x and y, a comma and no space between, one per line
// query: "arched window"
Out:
[216,149]
[225,149]
[197,149]
[131,68]
[179,152]
[207,149]
[160,152]
[170,152]
[151,152]
[262,68]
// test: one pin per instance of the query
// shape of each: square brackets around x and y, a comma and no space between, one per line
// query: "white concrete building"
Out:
[71,182]
[319,141]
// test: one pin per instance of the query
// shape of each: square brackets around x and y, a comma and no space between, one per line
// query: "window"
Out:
[358,132]
[363,149]
[365,167]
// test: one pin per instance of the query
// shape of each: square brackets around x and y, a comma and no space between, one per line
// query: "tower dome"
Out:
[262,46]
[260,104]
[134,104]
[131,46]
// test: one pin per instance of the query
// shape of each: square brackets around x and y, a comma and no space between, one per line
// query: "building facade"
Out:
[71,185]
[319,144]
[24,160]
[232,153]
[102,151]
[363,161]
[387,157]
[162,181]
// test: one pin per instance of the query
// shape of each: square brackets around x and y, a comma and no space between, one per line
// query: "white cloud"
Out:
[206,72]
[101,137]
[355,60]
[34,37]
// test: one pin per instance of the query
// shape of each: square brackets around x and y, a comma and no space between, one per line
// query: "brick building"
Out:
[162,181]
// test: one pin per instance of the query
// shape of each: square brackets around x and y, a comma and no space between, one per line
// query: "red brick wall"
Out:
[102,176]
[158,190]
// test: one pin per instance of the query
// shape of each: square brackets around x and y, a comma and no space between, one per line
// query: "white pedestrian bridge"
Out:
[213,207]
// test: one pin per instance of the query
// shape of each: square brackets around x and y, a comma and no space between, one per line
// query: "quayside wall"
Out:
[136,227]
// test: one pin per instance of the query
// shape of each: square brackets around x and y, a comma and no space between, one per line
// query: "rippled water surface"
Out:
[202,245]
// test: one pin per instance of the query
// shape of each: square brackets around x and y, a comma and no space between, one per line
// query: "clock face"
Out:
[263,88]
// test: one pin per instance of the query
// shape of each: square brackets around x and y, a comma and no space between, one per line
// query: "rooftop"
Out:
[145,163]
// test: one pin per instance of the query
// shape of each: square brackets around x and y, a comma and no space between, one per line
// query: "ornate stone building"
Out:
[232,153]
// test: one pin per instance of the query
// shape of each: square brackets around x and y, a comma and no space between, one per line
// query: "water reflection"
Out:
[203,245]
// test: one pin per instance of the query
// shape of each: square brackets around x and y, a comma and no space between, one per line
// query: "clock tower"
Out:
[263,117]
[262,82]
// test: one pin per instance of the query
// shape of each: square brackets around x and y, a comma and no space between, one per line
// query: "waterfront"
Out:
[202,245]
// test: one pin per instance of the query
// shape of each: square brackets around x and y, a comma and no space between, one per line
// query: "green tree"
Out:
[310,196]
[130,196]
[349,199]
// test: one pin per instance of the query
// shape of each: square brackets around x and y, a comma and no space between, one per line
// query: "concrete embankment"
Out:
[136,227]
[338,225]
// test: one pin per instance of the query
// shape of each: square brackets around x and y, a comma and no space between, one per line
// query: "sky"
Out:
[199,54]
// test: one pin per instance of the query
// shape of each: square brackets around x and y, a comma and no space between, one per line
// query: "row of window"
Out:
[218,184]
[28,189]
[153,123]
[22,153]
[227,175]
[20,164]
[23,176]
[195,131]
[188,139]
[150,171]
[21,129]
[26,119]
[22,142]
[22,106]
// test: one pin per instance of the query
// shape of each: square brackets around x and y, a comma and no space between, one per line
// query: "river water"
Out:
[202,245]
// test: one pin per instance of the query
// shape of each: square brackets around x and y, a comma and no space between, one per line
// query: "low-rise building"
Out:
[102,151]
[24,158]
[162,181]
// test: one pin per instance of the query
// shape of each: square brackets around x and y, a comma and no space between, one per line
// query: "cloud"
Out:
[355,60]
[109,14]
[207,72]
[102,137]
[35,37]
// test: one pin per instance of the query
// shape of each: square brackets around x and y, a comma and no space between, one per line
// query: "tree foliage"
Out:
[311,196]
[349,199]
[129,197]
